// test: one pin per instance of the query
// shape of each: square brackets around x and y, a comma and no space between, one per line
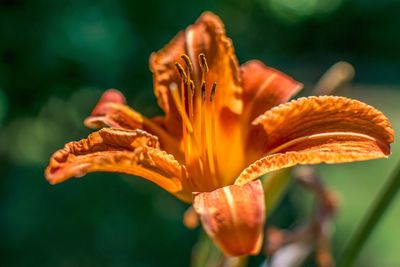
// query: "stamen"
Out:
[203,62]
[188,62]
[212,94]
[209,134]
[191,94]
[202,118]
[175,95]
[200,141]
[181,72]
[185,136]
[213,128]
[210,153]
[191,86]
[203,91]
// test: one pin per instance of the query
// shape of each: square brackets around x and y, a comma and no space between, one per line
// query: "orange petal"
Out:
[164,73]
[206,36]
[324,114]
[319,129]
[233,216]
[116,150]
[265,88]
[112,111]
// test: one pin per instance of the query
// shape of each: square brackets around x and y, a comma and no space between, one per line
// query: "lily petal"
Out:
[234,217]
[164,73]
[206,36]
[319,129]
[112,111]
[115,150]
[264,88]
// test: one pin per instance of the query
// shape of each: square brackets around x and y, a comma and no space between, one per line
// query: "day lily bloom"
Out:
[224,127]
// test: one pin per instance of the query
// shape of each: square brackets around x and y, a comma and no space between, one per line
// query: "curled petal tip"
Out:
[208,15]
[58,171]
[111,110]
[113,95]
[233,216]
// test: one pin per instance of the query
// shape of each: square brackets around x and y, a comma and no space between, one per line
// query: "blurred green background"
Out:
[56,57]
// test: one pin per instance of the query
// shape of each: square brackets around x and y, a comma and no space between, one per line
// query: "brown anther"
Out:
[181,72]
[191,86]
[203,91]
[203,62]
[212,94]
[188,62]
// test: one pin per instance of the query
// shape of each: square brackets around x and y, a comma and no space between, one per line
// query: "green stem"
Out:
[372,218]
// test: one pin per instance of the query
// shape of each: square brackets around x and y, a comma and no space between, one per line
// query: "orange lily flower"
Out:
[224,127]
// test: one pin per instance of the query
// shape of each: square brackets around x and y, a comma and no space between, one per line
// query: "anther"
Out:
[212,94]
[203,91]
[181,72]
[203,62]
[188,62]
[191,86]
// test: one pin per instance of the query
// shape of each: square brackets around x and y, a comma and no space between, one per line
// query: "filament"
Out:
[175,95]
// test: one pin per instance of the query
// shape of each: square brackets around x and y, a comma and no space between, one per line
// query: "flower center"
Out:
[195,103]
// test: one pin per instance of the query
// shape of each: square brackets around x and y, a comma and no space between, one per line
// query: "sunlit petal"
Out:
[234,217]
[325,114]
[319,129]
[265,88]
[116,150]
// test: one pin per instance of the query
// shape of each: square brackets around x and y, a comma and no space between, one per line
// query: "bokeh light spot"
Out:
[292,11]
